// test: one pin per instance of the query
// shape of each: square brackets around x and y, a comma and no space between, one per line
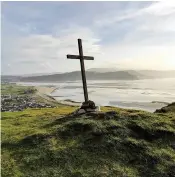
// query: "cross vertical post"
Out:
[83,74]
[87,103]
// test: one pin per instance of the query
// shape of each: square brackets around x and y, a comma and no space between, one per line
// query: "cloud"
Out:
[145,57]
[150,23]
[49,51]
[160,8]
[128,35]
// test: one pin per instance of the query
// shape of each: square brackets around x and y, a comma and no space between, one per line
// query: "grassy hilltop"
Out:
[49,142]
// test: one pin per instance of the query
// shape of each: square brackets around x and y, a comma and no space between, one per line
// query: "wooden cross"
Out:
[83,74]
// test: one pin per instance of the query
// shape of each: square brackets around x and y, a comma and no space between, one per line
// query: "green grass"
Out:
[15,89]
[50,143]
[169,108]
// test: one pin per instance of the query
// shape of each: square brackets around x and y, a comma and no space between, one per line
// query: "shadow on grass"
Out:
[60,120]
[148,135]
[84,145]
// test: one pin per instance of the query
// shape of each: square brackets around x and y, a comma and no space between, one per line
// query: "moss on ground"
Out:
[49,142]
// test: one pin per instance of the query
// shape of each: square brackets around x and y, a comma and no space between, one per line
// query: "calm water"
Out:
[138,94]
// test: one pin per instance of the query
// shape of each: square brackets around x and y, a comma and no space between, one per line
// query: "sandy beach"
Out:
[45,92]
[147,95]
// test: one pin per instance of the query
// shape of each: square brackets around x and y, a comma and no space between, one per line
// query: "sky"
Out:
[37,36]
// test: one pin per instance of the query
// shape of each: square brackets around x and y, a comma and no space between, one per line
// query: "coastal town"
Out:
[13,103]
[21,99]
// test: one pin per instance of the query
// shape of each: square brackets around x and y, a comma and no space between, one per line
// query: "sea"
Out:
[146,94]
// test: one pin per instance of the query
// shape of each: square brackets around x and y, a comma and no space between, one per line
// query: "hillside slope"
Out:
[166,109]
[51,142]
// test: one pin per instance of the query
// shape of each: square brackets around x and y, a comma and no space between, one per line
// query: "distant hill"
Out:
[102,70]
[92,74]
[157,74]
[139,73]
[40,74]
[17,78]
[151,74]
[9,78]
[76,75]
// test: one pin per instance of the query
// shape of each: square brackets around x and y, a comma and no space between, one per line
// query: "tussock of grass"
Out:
[49,142]
[167,109]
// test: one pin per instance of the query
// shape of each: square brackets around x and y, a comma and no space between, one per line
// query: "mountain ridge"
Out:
[93,75]
[76,75]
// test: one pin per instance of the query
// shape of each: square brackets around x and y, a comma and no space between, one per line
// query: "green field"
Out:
[15,89]
[49,142]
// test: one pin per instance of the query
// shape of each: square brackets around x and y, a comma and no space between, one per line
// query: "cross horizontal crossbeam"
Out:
[81,57]
[78,57]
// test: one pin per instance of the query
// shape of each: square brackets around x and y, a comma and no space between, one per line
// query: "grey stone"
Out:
[90,110]
[96,109]
[81,111]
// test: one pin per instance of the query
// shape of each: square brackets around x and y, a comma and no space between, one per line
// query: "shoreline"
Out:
[142,95]
[44,92]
